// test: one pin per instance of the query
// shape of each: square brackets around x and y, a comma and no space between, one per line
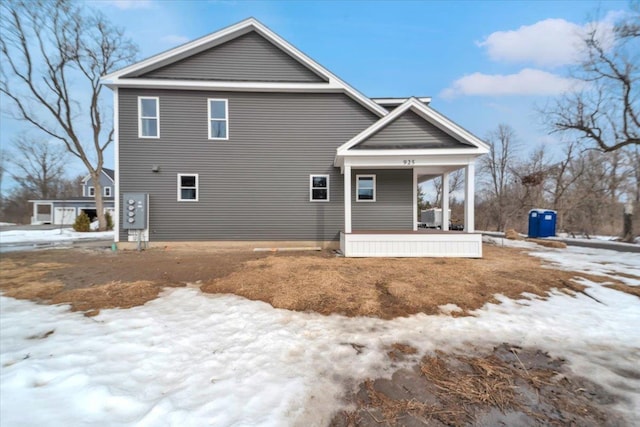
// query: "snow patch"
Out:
[55,235]
[449,308]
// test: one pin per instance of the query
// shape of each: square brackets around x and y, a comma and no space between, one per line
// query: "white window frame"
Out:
[311,187]
[226,118]
[107,191]
[91,191]
[375,190]
[197,187]
[157,117]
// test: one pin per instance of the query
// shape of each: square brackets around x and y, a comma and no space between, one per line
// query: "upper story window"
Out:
[218,119]
[148,117]
[319,188]
[107,191]
[187,187]
[91,191]
[365,188]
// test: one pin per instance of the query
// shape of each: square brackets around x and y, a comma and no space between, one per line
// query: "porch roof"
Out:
[448,144]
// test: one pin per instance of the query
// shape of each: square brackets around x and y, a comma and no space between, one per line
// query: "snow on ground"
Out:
[2,224]
[55,235]
[193,359]
[599,262]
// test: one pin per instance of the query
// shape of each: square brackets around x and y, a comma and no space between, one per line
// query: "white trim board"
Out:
[397,101]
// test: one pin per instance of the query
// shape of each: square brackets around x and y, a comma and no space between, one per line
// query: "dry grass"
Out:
[512,234]
[28,281]
[319,282]
[399,351]
[392,409]
[113,295]
[391,287]
[548,243]
[456,389]
[489,382]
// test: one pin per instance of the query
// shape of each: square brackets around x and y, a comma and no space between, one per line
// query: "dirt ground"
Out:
[510,386]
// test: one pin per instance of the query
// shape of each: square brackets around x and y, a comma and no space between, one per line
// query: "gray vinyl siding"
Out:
[105,181]
[410,131]
[248,58]
[393,208]
[255,186]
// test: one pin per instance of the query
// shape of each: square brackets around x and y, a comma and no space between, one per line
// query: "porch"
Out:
[409,243]
[411,145]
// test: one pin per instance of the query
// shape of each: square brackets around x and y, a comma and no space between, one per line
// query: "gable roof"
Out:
[426,113]
[410,131]
[123,77]
[394,102]
[248,57]
[110,173]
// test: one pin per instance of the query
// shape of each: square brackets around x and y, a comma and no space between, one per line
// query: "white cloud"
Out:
[526,82]
[130,4]
[548,43]
[175,39]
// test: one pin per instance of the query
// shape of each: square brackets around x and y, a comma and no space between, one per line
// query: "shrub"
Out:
[107,216]
[82,223]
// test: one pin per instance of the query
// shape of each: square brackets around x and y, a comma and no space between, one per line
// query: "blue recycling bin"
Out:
[542,223]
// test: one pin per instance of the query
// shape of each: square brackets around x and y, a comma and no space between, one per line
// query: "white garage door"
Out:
[64,216]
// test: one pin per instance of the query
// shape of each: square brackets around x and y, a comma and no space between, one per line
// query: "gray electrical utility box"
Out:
[135,211]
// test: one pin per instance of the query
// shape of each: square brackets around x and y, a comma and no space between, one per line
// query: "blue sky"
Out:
[483,62]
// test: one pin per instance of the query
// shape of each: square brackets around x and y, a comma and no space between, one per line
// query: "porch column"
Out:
[445,201]
[347,199]
[469,193]
[415,199]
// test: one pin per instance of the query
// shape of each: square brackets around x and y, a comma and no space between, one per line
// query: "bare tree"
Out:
[456,180]
[562,178]
[54,53]
[496,166]
[3,167]
[39,166]
[531,177]
[606,112]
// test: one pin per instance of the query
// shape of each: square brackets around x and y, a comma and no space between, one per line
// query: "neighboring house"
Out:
[239,136]
[65,211]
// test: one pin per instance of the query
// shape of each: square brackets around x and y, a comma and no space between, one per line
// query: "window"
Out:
[218,119]
[319,188]
[149,117]
[365,188]
[187,187]
[91,191]
[107,191]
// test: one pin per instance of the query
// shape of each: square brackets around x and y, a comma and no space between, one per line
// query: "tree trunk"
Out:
[627,232]
[102,219]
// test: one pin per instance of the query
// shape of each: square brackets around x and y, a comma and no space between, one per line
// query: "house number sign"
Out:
[409,162]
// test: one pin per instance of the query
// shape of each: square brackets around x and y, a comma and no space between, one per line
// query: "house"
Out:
[65,211]
[239,136]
